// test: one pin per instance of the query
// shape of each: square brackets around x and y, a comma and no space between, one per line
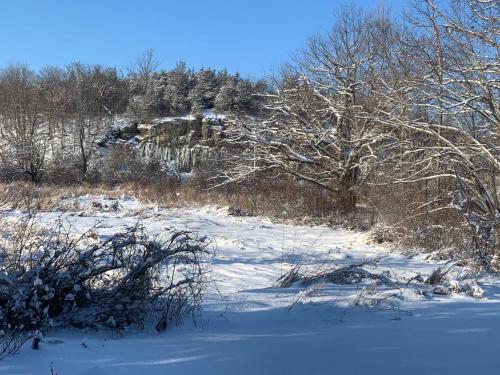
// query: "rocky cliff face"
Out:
[185,140]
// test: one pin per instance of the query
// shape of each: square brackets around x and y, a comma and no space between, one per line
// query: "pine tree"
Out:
[177,90]
[206,89]
[226,98]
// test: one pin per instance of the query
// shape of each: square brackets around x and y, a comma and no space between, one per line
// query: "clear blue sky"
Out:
[248,36]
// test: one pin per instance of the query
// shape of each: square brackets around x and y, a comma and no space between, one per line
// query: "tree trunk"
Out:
[346,196]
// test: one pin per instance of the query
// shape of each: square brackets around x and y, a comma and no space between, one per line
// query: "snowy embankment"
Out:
[250,326]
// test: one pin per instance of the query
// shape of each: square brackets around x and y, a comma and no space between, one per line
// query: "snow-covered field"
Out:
[250,326]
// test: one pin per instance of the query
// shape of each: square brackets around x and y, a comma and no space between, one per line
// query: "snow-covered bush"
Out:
[49,278]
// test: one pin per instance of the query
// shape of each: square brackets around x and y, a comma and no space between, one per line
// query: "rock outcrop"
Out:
[183,140]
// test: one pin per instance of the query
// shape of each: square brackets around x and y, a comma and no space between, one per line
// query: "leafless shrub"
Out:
[371,296]
[347,275]
[290,277]
[438,276]
[50,278]
[63,169]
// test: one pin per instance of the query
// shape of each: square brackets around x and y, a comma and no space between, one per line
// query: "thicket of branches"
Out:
[52,278]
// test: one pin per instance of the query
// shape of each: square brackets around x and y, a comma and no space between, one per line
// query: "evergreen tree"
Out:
[176,93]
[206,89]
[226,98]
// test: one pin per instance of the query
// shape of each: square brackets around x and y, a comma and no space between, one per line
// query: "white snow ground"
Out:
[250,327]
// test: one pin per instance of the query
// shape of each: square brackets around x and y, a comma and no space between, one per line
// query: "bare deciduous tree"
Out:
[23,136]
[452,129]
[322,126]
